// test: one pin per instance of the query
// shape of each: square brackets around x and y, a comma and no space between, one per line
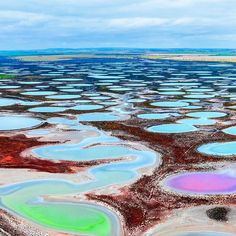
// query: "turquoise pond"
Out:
[87,107]
[223,149]
[100,116]
[74,152]
[207,114]
[63,97]
[230,130]
[39,93]
[199,96]
[173,104]
[15,122]
[172,128]
[47,109]
[191,121]
[9,87]
[154,116]
[8,102]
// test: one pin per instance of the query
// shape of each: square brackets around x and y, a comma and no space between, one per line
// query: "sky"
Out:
[37,24]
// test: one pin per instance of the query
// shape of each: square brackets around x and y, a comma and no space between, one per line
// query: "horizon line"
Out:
[134,48]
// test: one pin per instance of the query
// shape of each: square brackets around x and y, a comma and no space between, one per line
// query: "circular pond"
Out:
[8,102]
[170,104]
[200,121]
[154,116]
[99,116]
[218,149]
[172,128]
[200,183]
[74,152]
[15,122]
[87,107]
[47,109]
[206,114]
[230,130]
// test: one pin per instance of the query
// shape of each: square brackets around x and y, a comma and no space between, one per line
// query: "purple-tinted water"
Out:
[202,183]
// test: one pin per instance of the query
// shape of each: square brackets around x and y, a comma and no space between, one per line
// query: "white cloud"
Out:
[172,21]
[136,22]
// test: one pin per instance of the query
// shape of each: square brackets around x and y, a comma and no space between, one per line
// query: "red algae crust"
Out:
[145,203]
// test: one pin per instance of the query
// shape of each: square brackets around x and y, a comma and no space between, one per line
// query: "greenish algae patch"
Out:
[78,218]
[6,76]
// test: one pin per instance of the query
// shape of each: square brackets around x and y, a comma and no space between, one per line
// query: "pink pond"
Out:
[202,183]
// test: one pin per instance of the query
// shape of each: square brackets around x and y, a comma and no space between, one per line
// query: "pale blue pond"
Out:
[63,97]
[200,96]
[134,85]
[74,152]
[172,128]
[8,102]
[199,121]
[154,116]
[200,90]
[169,89]
[172,93]
[92,94]
[232,107]
[170,104]
[99,116]
[207,114]
[47,109]
[87,107]
[15,122]
[9,87]
[180,84]
[68,79]
[230,130]
[82,85]
[100,97]
[223,149]
[30,82]
[136,100]
[71,90]
[106,77]
[190,100]
[192,107]
[29,103]
[39,93]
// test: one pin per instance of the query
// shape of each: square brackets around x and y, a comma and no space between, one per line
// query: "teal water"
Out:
[173,104]
[154,116]
[199,121]
[207,114]
[74,152]
[39,93]
[87,107]
[230,130]
[172,128]
[47,109]
[8,102]
[99,116]
[15,122]
[223,149]
[63,97]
